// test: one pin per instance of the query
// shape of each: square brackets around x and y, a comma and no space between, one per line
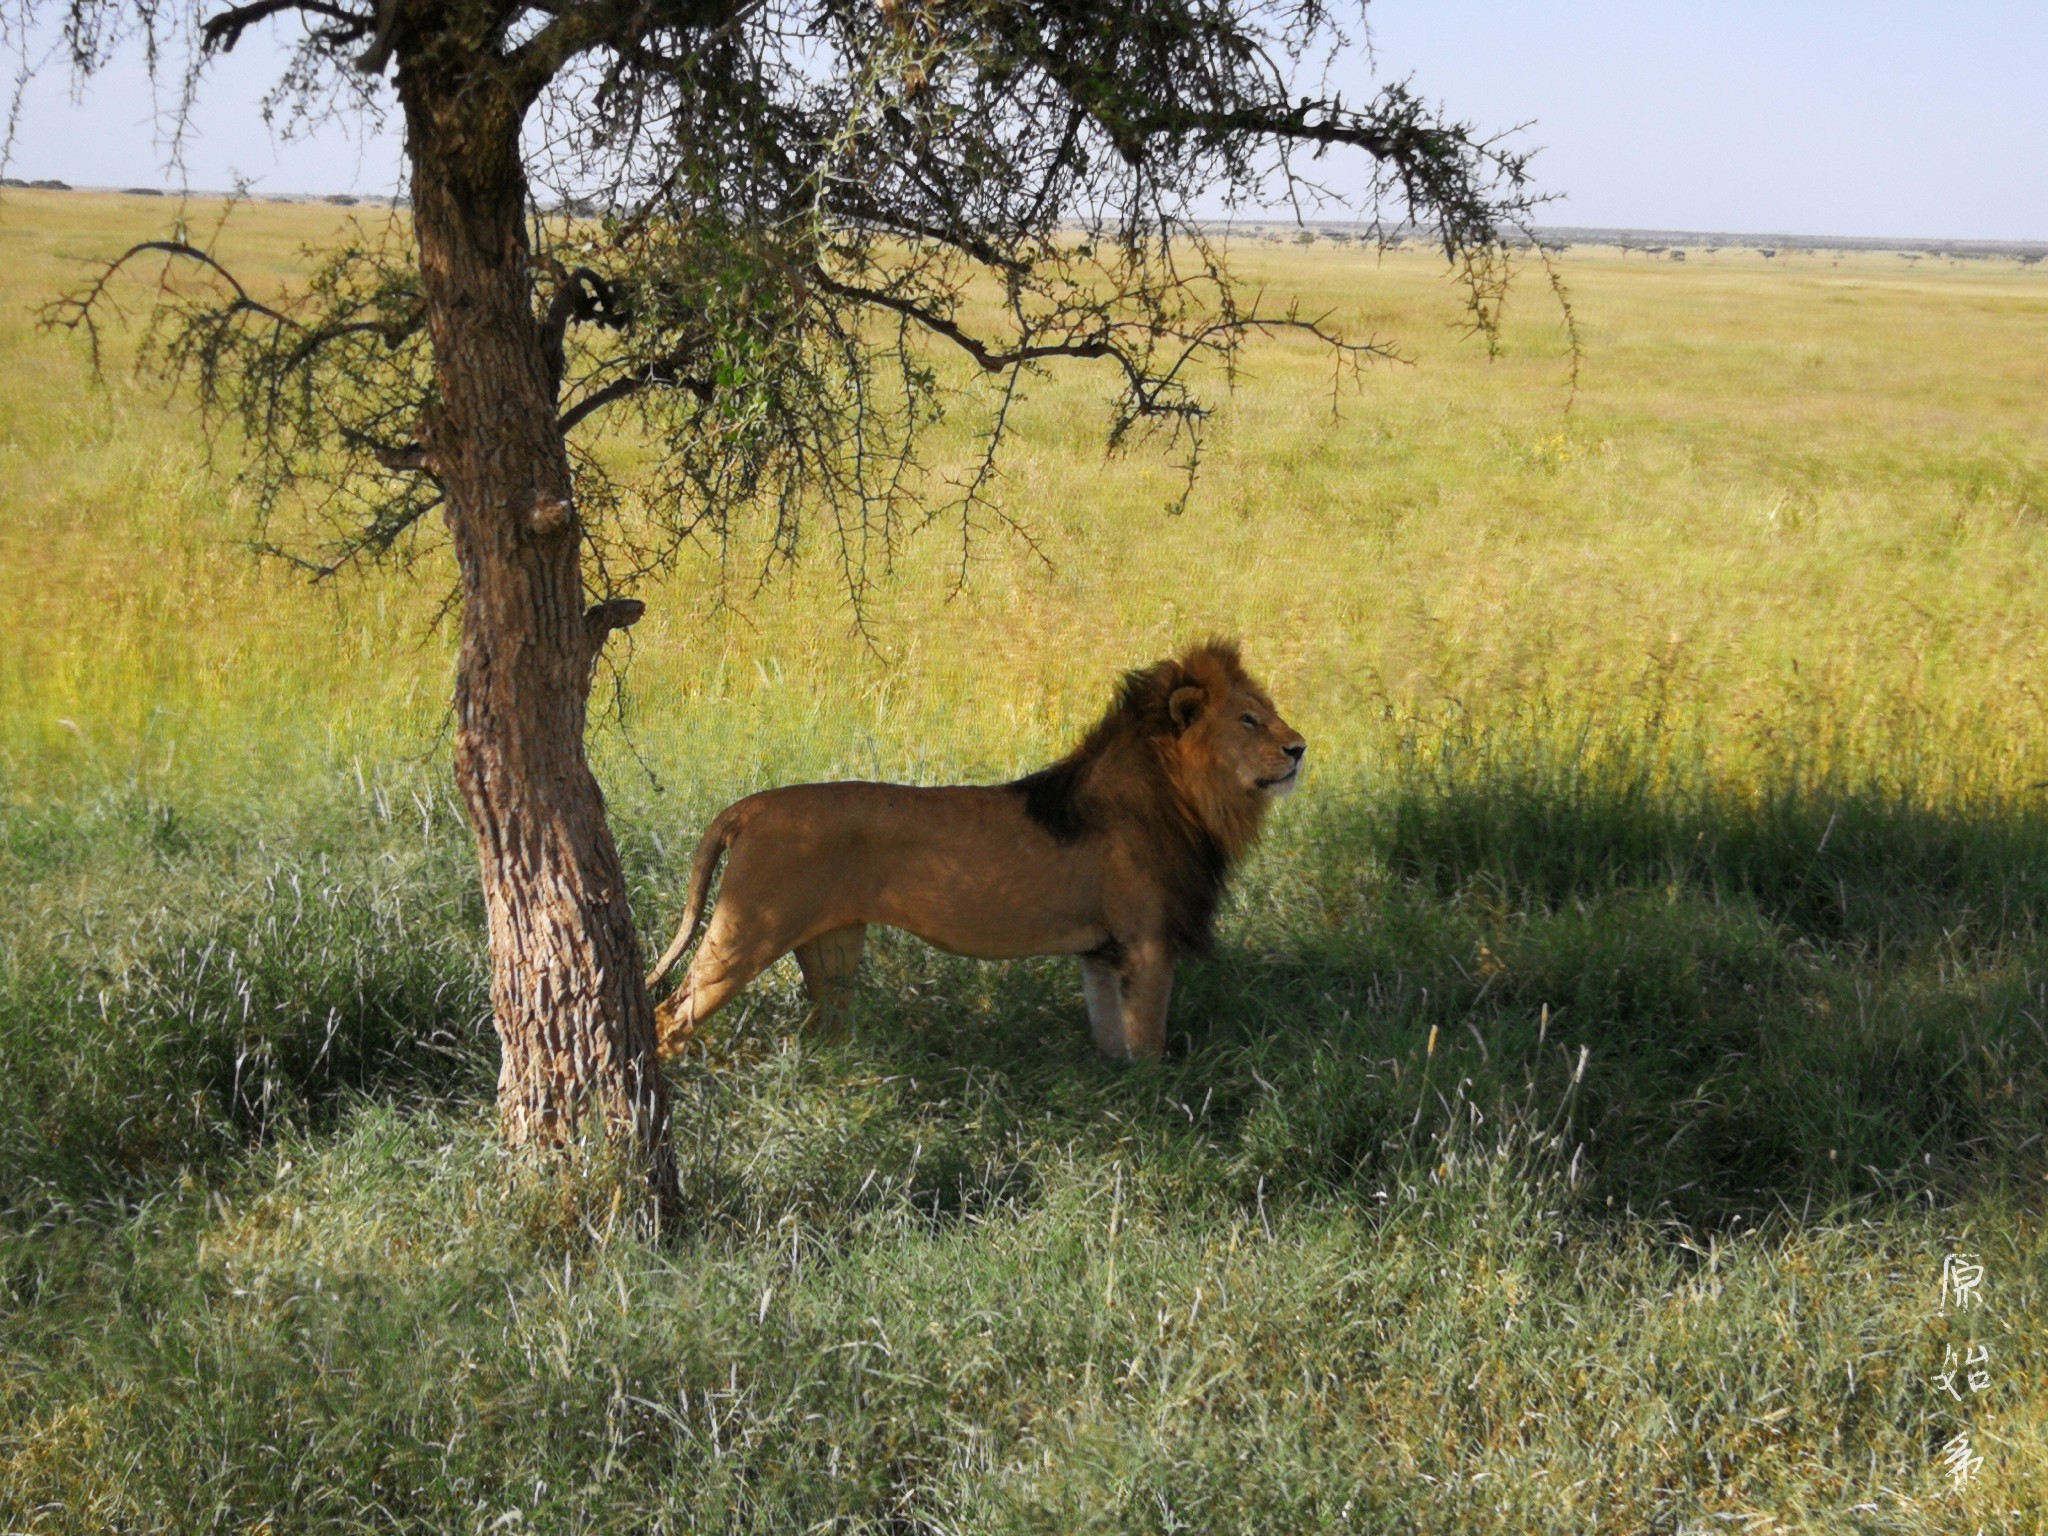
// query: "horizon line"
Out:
[1626,237]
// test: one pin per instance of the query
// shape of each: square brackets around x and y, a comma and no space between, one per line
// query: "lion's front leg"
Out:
[1103,987]
[1147,985]
[1127,1001]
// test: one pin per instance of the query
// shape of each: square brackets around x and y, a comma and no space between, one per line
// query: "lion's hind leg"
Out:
[724,963]
[830,963]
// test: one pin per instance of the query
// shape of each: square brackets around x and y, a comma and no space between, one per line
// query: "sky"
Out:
[1871,118]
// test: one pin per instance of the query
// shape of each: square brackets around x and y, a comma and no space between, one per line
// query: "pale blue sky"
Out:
[1798,116]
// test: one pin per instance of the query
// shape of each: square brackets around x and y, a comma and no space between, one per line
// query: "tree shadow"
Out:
[1704,1010]
[214,987]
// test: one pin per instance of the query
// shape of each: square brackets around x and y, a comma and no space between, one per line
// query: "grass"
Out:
[1601,1060]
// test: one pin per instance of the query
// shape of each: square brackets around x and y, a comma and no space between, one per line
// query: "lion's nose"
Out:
[1296,750]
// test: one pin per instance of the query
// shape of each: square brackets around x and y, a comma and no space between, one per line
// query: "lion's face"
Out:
[1242,738]
[1264,751]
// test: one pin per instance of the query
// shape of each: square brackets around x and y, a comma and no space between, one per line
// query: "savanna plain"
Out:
[1639,1013]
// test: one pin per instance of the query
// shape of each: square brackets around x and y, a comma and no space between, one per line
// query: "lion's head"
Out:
[1188,759]
[1224,745]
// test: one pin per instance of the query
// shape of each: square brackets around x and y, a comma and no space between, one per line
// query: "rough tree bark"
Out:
[574,1021]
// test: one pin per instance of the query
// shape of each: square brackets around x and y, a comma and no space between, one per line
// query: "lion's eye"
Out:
[1251,722]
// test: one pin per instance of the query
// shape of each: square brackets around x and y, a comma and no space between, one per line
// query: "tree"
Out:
[752,229]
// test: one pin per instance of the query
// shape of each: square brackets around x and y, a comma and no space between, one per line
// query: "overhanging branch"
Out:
[987,358]
[665,374]
[219,33]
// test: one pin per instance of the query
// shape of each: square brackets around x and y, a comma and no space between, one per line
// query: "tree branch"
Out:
[402,459]
[619,25]
[657,375]
[313,337]
[854,203]
[206,259]
[372,541]
[220,33]
[600,619]
[1437,164]
[987,358]
[583,295]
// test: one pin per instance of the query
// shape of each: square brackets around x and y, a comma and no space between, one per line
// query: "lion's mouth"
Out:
[1286,778]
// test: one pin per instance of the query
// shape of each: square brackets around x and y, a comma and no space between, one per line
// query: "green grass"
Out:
[1646,995]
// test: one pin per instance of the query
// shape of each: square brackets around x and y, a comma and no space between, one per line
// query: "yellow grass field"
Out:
[1799,504]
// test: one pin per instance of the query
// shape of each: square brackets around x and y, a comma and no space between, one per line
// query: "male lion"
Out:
[1116,853]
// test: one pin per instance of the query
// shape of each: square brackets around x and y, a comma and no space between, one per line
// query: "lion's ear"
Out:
[1184,706]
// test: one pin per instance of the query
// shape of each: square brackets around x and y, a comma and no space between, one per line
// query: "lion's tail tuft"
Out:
[703,864]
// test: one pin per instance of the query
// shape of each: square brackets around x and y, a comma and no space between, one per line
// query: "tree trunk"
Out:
[575,1025]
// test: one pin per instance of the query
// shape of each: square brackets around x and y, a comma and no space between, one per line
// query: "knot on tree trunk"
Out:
[600,619]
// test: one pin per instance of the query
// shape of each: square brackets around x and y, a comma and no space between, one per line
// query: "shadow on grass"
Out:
[182,983]
[1708,1011]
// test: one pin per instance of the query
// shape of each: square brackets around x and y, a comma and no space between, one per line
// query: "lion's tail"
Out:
[703,865]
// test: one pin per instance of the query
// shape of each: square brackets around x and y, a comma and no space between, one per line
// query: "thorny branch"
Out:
[325,388]
[220,33]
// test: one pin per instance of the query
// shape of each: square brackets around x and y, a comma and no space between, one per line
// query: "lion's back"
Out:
[962,866]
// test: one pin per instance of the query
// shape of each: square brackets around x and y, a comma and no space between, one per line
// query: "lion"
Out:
[1117,854]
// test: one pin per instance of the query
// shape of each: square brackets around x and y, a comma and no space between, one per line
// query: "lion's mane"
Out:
[1138,772]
